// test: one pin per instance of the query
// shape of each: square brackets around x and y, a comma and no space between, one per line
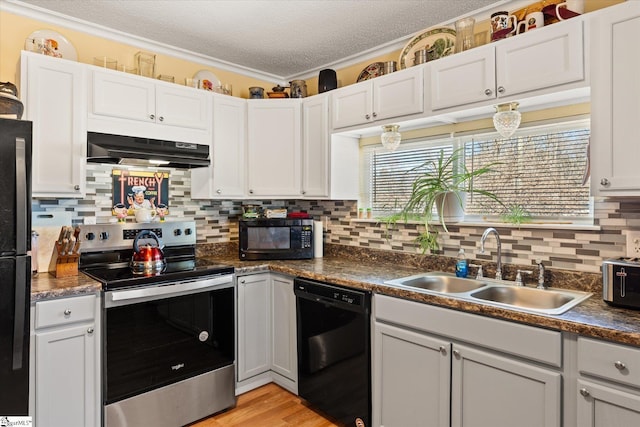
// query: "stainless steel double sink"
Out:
[497,293]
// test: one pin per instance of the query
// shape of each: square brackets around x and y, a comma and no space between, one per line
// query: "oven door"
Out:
[159,335]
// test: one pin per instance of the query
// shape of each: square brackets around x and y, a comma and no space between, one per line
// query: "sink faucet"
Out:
[499,262]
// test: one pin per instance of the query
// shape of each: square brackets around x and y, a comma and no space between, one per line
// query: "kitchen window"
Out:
[542,170]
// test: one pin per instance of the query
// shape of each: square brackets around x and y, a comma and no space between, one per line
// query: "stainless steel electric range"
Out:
[168,336]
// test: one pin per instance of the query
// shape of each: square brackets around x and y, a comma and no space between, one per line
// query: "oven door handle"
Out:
[176,289]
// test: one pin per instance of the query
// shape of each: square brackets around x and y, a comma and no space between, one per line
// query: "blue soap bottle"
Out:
[462,265]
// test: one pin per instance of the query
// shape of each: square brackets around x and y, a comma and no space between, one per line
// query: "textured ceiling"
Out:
[280,37]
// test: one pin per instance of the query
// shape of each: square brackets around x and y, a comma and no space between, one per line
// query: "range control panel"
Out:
[101,237]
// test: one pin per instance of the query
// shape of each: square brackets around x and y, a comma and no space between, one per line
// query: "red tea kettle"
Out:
[148,260]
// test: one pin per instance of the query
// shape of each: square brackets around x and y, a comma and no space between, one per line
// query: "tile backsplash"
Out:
[570,249]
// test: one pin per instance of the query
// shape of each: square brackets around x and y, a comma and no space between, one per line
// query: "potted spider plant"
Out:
[442,186]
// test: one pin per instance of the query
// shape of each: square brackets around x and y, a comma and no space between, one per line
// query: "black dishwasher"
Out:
[334,350]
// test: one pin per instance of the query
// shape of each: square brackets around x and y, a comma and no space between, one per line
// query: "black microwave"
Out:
[275,238]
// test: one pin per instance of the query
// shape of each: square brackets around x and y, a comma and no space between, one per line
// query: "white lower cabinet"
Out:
[67,362]
[496,390]
[254,326]
[602,405]
[608,392]
[284,354]
[412,378]
[266,340]
[430,371]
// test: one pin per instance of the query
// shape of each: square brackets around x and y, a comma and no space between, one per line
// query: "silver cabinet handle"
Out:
[243,281]
[375,114]
[250,191]
[501,89]
[442,349]
[488,92]
[456,353]
[67,312]
[76,187]
[367,116]
[152,116]
[161,118]
[584,392]
[620,366]
[604,182]
[304,192]
[90,331]
[219,191]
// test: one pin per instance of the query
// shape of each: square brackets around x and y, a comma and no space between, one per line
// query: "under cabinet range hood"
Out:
[134,151]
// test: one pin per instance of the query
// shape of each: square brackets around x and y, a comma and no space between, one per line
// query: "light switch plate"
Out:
[633,244]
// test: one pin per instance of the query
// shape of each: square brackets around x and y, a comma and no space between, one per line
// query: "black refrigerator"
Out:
[15,265]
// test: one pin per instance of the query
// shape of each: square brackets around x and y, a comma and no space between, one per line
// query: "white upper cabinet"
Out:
[545,58]
[125,104]
[543,61]
[225,178]
[394,95]
[315,147]
[55,94]
[274,147]
[462,79]
[615,110]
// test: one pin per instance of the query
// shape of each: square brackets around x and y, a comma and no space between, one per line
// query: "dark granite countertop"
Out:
[592,318]
[46,286]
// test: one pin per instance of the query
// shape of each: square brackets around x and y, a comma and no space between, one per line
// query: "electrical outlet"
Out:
[633,244]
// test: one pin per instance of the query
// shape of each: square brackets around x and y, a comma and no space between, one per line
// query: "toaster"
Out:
[621,282]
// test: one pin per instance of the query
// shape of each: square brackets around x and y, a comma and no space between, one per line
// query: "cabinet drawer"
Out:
[615,362]
[65,311]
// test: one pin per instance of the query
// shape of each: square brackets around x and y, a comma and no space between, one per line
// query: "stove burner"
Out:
[108,260]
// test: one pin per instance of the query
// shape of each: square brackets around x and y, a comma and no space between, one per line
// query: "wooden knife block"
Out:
[63,265]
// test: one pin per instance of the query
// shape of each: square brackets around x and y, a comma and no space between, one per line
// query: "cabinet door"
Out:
[602,406]
[491,390]
[127,97]
[56,102]
[284,356]
[183,107]
[462,79]
[274,147]
[540,59]
[65,377]
[315,147]
[225,178]
[615,111]
[398,94]
[352,105]
[254,325]
[411,378]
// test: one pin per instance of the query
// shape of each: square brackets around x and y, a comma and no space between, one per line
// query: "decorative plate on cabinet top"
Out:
[50,43]
[443,39]
[375,69]
[208,80]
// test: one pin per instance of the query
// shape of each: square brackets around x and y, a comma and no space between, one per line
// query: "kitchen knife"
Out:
[76,247]
[70,244]
[63,231]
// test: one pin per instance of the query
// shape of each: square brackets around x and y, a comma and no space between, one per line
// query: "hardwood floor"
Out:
[267,406]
